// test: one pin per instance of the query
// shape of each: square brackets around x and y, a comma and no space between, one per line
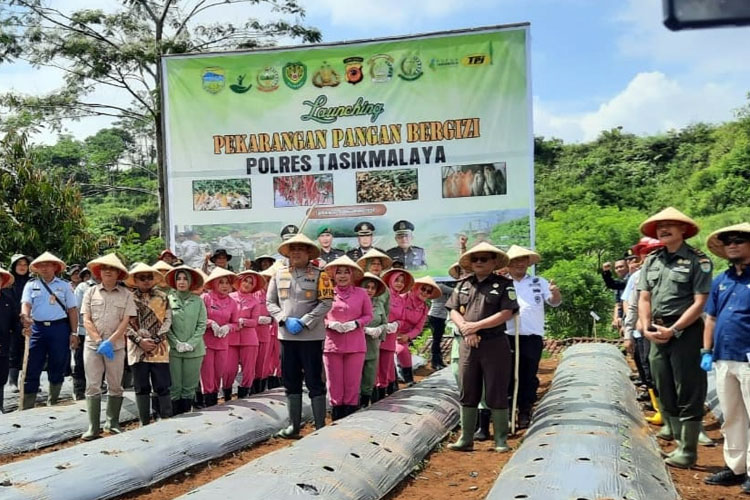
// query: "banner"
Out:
[430,136]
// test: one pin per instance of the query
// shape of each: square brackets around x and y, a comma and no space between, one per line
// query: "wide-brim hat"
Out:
[516,252]
[264,257]
[18,256]
[300,239]
[162,267]
[110,260]
[6,278]
[374,254]
[140,267]
[258,280]
[47,257]
[715,244]
[379,282]
[196,277]
[217,274]
[408,278]
[344,261]
[455,271]
[220,252]
[166,252]
[648,227]
[501,257]
[427,280]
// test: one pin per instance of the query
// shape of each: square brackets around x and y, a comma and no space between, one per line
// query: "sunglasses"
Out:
[425,289]
[735,240]
[144,277]
[480,259]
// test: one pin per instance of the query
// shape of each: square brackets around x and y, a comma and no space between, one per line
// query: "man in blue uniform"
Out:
[49,314]
[413,257]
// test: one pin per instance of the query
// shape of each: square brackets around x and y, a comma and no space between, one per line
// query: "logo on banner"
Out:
[442,63]
[326,76]
[354,73]
[238,88]
[411,68]
[268,79]
[295,74]
[213,80]
[476,60]
[381,68]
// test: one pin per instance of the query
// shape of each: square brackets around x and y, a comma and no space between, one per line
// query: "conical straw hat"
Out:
[258,281]
[374,254]
[715,244]
[110,260]
[162,267]
[408,278]
[6,278]
[516,251]
[483,247]
[648,227]
[313,250]
[140,267]
[427,280]
[196,277]
[47,257]
[216,274]
[381,288]
[344,261]
[455,271]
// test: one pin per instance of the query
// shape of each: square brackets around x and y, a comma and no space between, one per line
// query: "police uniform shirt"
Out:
[674,279]
[729,303]
[476,300]
[328,257]
[413,257]
[43,305]
[356,253]
[533,292]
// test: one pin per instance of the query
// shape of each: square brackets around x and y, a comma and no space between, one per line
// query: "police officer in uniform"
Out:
[287,232]
[325,240]
[365,231]
[49,314]
[479,306]
[299,296]
[674,285]
[413,257]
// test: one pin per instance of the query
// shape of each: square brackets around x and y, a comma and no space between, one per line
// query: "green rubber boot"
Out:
[112,423]
[29,401]
[54,394]
[94,412]
[294,404]
[665,433]
[468,426]
[319,410]
[703,438]
[686,454]
[500,430]
[143,402]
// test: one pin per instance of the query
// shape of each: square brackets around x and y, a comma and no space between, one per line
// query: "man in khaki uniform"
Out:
[674,285]
[107,309]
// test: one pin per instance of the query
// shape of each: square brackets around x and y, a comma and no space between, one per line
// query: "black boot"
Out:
[165,406]
[155,413]
[187,405]
[408,375]
[177,407]
[264,384]
[337,412]
[364,401]
[256,386]
[351,409]
[227,395]
[381,393]
[483,426]
[242,392]
[392,387]
[524,418]
[199,403]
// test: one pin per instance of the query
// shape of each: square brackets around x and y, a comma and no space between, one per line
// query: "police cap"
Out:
[403,227]
[364,229]
[288,231]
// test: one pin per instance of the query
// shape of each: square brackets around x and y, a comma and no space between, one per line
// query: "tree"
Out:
[122,50]
[38,211]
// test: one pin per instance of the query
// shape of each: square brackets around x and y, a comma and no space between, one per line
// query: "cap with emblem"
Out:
[324,230]
[288,231]
[718,239]
[403,227]
[364,229]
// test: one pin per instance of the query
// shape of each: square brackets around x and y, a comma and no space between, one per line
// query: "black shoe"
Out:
[524,419]
[725,477]
[746,486]
[364,401]
[227,395]
[242,392]
[381,393]
[337,412]
[198,402]
[408,375]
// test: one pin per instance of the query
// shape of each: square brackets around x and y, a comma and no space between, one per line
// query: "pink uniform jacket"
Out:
[263,331]
[350,303]
[224,311]
[249,311]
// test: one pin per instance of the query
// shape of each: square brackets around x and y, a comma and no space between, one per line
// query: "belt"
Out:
[50,323]
[666,320]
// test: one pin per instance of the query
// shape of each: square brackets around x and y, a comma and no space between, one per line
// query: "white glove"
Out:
[183,347]
[214,326]
[265,320]
[392,327]
[348,326]
[372,332]
[336,326]
[223,331]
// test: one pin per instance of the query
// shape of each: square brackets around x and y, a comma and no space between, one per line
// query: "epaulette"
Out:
[697,252]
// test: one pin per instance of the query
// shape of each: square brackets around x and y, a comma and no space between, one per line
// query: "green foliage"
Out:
[132,249]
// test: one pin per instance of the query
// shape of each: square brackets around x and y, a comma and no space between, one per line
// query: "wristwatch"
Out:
[676,333]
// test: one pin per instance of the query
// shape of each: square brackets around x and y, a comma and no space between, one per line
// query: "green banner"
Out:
[432,133]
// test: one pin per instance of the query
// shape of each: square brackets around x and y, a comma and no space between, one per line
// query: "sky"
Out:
[596,64]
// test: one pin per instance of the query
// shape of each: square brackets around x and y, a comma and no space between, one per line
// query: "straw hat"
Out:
[344,261]
[196,277]
[374,254]
[47,257]
[516,252]
[714,242]
[427,280]
[257,260]
[162,267]
[483,247]
[408,278]
[257,280]
[313,250]
[381,288]
[455,271]
[166,252]
[140,267]
[648,227]
[6,278]
[110,260]
[218,273]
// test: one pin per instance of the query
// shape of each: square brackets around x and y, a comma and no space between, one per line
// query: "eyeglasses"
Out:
[479,259]
[425,289]
[144,277]
[735,240]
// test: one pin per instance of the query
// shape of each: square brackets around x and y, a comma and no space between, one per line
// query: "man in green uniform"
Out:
[674,285]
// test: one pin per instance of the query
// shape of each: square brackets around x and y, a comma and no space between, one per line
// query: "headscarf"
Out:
[21,279]
[187,293]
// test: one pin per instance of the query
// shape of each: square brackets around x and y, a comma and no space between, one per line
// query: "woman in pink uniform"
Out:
[412,320]
[399,283]
[272,367]
[243,342]
[264,330]
[222,319]
[344,348]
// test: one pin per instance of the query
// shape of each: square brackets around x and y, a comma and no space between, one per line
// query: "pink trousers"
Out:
[244,356]
[403,354]
[343,376]
[386,369]
[273,360]
[212,370]
[260,361]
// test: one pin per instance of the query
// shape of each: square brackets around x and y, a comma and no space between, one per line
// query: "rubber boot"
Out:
[112,423]
[143,402]
[500,430]
[13,379]
[675,427]
[29,401]
[54,394]
[177,407]
[656,418]
[703,438]
[319,411]
[687,453]
[294,405]
[94,412]
[666,433]
[242,392]
[483,430]
[155,410]
[364,401]
[408,374]
[468,425]
[165,406]
[227,395]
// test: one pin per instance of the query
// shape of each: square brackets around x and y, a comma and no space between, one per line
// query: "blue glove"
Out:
[106,349]
[293,325]
[706,361]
